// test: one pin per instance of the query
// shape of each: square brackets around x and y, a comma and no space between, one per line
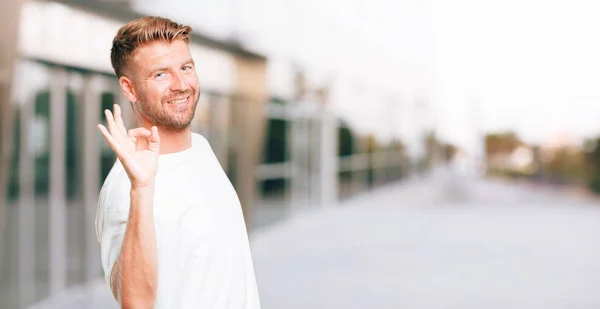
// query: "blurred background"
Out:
[388,154]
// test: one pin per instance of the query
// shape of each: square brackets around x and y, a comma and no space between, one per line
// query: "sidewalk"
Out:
[425,244]
[341,257]
[96,295]
[409,247]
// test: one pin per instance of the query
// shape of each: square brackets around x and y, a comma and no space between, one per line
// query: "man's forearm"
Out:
[138,261]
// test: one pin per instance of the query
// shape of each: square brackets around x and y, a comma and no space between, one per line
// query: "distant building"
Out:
[62,81]
[272,129]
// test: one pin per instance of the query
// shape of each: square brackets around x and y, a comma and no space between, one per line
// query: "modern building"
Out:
[271,127]
[62,81]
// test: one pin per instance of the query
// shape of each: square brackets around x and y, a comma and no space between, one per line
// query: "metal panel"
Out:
[126,110]
[9,14]
[274,171]
[328,160]
[57,230]
[91,173]
[26,208]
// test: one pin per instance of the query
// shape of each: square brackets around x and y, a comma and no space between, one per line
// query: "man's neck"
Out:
[171,141]
[175,141]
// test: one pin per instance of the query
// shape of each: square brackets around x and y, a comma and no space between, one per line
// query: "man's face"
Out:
[166,84]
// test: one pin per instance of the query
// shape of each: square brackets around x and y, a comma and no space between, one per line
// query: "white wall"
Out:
[58,33]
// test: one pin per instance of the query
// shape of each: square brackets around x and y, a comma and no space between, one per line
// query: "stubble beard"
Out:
[165,120]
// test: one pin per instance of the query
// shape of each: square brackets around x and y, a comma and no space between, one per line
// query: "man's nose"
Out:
[178,83]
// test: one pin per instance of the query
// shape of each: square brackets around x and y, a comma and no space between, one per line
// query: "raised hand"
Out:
[137,149]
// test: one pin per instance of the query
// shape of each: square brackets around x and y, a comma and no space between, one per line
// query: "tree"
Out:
[345,140]
[592,164]
[449,151]
[566,165]
[501,143]
[437,150]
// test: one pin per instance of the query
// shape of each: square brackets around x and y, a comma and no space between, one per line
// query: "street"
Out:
[442,243]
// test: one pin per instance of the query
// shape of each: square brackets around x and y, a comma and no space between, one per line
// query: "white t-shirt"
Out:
[204,258]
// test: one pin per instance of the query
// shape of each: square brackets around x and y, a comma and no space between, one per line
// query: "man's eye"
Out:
[160,74]
[187,67]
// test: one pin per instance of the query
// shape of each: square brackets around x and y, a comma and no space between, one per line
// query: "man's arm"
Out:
[134,276]
[135,279]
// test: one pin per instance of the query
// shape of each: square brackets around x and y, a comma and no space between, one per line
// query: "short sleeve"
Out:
[111,220]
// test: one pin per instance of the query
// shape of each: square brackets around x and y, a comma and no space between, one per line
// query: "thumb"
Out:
[154,140]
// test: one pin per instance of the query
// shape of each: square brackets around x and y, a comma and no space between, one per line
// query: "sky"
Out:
[530,66]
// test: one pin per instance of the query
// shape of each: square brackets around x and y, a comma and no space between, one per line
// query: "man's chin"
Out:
[175,127]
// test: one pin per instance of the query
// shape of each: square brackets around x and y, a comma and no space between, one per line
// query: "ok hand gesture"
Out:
[137,149]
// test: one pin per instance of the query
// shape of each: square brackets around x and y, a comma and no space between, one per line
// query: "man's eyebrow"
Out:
[164,68]
[156,69]
[190,61]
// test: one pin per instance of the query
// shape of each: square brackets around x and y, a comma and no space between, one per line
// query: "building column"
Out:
[301,153]
[26,213]
[249,121]
[9,14]
[328,160]
[90,112]
[57,211]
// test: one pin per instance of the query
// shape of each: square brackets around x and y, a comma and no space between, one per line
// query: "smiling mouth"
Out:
[178,101]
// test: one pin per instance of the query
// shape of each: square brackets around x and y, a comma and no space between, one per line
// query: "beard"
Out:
[164,119]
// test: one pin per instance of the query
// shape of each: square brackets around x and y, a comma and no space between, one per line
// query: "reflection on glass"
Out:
[107,156]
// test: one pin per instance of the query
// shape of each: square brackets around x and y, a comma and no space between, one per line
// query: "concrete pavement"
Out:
[441,242]
[445,243]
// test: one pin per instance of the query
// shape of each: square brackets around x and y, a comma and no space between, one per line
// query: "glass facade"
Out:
[58,165]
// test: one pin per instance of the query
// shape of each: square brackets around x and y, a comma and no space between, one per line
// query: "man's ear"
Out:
[128,88]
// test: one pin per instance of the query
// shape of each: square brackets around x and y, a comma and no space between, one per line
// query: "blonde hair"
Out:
[140,32]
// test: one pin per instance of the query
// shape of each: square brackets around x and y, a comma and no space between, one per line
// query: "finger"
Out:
[119,119]
[139,132]
[133,134]
[110,121]
[112,142]
[154,140]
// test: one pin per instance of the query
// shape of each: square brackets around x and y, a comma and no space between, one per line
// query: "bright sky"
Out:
[532,66]
[528,65]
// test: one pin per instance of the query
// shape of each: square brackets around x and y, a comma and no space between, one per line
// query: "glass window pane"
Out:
[73,178]
[107,157]
[9,293]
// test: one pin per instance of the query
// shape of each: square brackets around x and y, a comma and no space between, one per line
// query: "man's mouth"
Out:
[178,100]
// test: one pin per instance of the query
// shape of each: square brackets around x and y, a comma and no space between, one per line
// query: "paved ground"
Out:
[447,243]
[443,242]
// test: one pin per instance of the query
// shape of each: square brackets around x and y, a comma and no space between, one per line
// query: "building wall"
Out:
[249,124]
[61,34]
[63,80]
[8,39]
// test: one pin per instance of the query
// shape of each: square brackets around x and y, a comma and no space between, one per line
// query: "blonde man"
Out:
[169,222]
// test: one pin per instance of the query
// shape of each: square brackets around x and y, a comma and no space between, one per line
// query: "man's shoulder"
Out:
[199,140]
[116,186]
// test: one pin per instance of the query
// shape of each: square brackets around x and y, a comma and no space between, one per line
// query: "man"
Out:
[169,222]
